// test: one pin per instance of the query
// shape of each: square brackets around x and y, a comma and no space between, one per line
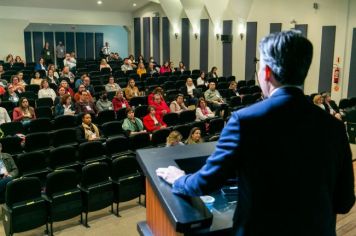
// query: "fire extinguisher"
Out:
[336,75]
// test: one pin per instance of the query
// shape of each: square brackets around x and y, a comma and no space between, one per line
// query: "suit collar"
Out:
[287,90]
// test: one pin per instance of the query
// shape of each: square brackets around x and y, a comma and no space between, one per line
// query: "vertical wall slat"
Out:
[99,43]
[89,46]
[146,30]
[155,39]
[28,46]
[227,49]
[204,44]
[137,36]
[251,44]
[185,42]
[80,42]
[352,76]
[37,44]
[166,54]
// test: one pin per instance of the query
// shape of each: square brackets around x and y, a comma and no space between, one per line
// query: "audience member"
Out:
[12,95]
[66,73]
[318,100]
[88,86]
[160,105]
[17,86]
[202,111]
[70,62]
[141,69]
[46,91]
[40,65]
[81,89]
[8,171]
[65,107]
[131,124]
[2,71]
[37,79]
[153,122]
[60,54]
[131,90]
[105,50]
[165,68]
[51,78]
[47,54]
[111,86]
[141,59]
[127,66]
[87,131]
[10,59]
[61,92]
[53,67]
[119,101]
[174,138]
[213,73]
[64,84]
[4,116]
[188,91]
[181,67]
[18,59]
[152,69]
[103,103]
[213,96]
[194,136]
[23,112]
[156,90]
[232,91]
[104,64]
[84,105]
[202,80]
[177,106]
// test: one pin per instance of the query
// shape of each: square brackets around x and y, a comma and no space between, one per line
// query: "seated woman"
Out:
[131,124]
[141,69]
[104,64]
[17,86]
[318,100]
[160,105]
[119,101]
[165,68]
[46,91]
[181,67]
[153,122]
[11,94]
[194,136]
[111,86]
[177,106]
[23,112]
[4,116]
[188,91]
[202,80]
[173,139]
[203,112]
[103,103]
[232,91]
[18,59]
[40,65]
[131,90]
[21,79]
[37,79]
[330,106]
[87,131]
[158,90]
[65,107]
[80,89]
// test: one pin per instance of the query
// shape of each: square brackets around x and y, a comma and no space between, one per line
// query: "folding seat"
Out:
[128,181]
[187,116]
[255,89]
[8,105]
[250,82]
[248,99]
[196,72]
[44,102]
[96,188]
[141,140]
[235,101]
[66,136]
[11,145]
[152,81]
[105,116]
[112,129]
[159,137]
[244,90]
[92,151]
[187,72]
[63,197]
[121,114]
[222,85]
[111,95]
[105,71]
[24,207]
[117,146]
[32,88]
[65,121]
[29,95]
[171,119]
[180,83]
[64,157]
[40,125]
[44,112]
[138,101]
[184,77]
[241,83]
[33,164]
[222,79]
[169,85]
[12,128]
[141,111]
[230,78]
[184,130]
[39,141]
[215,126]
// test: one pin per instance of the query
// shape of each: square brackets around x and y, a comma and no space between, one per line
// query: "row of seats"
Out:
[68,194]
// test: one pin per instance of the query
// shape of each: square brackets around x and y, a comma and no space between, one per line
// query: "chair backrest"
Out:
[235,101]
[171,119]
[184,130]
[105,116]
[12,128]
[121,114]
[40,125]
[216,125]
[44,112]
[187,116]
[11,145]
[22,190]
[94,173]
[60,181]
[64,136]
[112,128]
[35,141]
[117,144]
[140,140]
[138,101]
[44,102]
[141,111]
[65,121]
[90,150]
[32,87]
[125,166]
[160,136]
[248,99]
[62,156]
[31,162]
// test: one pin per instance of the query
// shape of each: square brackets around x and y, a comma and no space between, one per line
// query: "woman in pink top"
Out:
[165,68]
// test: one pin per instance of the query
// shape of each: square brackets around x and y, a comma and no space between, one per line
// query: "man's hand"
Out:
[170,174]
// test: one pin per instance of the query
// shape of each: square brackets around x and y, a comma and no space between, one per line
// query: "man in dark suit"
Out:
[292,159]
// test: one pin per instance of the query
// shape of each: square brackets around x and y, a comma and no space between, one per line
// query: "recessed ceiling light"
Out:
[99,2]
[134,4]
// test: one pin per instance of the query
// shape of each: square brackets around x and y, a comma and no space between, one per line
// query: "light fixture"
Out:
[196,35]
[241,36]
[217,36]
[176,35]
[292,23]
[99,2]
[241,29]
[134,4]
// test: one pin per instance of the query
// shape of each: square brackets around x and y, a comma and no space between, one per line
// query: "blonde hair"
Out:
[317,98]
[173,138]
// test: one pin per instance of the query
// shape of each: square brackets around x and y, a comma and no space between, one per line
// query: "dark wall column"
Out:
[28,46]
[275,27]
[155,39]
[251,42]
[185,42]
[37,38]
[204,44]
[352,76]
[146,37]
[227,49]
[137,36]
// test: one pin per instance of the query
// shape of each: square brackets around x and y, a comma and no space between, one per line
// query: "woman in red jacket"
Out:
[160,105]
[152,122]
[23,112]
[119,101]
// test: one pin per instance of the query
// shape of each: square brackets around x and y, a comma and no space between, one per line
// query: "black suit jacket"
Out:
[294,166]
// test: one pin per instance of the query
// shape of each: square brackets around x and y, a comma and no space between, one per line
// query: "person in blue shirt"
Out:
[287,183]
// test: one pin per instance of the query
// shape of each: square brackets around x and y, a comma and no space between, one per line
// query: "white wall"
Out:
[117,36]
[15,19]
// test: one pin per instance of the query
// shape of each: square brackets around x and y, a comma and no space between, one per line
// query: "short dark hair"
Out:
[289,56]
